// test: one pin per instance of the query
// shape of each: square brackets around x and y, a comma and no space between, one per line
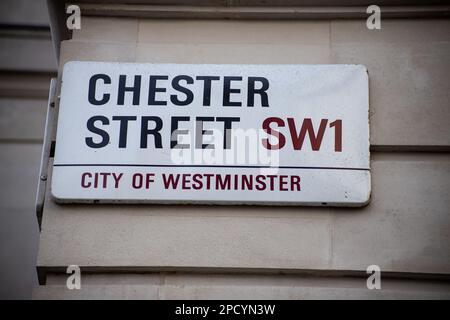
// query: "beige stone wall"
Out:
[241,251]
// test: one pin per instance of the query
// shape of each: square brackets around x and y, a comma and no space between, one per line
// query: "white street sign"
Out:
[221,134]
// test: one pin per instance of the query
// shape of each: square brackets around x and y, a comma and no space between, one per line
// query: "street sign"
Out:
[218,134]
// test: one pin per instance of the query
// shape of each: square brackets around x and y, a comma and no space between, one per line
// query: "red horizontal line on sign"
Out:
[201,166]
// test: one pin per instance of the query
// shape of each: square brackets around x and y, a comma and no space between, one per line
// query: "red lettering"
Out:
[85,184]
[307,127]
[170,181]
[275,133]
[337,135]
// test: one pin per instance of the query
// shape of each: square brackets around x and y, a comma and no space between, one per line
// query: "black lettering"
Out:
[135,89]
[252,91]
[207,88]
[93,87]
[199,133]
[145,131]
[175,132]
[227,123]
[227,91]
[176,85]
[92,128]
[153,90]
[123,129]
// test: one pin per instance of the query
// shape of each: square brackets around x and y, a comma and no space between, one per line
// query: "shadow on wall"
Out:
[27,63]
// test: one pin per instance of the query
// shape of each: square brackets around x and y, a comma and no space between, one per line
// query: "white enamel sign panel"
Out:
[221,134]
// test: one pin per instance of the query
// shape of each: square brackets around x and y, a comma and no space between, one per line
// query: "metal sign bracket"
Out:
[46,151]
